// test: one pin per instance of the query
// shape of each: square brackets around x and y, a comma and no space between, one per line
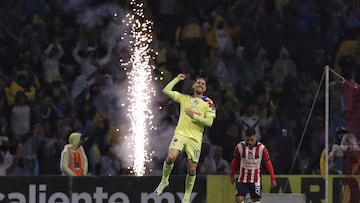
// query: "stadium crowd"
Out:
[60,72]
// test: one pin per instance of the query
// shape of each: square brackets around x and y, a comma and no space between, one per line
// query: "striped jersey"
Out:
[249,161]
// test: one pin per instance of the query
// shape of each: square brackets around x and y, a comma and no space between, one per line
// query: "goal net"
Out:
[343,157]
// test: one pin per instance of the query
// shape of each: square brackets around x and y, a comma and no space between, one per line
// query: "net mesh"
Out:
[347,143]
[351,140]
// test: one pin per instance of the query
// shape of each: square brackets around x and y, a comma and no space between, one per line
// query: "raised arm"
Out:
[76,55]
[168,88]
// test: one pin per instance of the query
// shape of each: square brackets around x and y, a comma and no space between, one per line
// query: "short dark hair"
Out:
[199,77]
[250,132]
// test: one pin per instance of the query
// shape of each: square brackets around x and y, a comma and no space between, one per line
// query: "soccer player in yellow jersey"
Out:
[196,113]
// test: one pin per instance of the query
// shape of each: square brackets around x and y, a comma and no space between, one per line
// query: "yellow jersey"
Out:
[204,116]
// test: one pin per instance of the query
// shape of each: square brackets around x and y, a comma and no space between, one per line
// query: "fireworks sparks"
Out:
[140,90]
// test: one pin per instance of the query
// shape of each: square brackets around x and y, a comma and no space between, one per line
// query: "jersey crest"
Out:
[195,102]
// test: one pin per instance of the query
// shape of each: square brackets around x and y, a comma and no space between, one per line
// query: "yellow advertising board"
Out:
[342,189]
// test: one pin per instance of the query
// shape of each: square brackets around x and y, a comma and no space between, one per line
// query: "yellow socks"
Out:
[167,168]
[189,185]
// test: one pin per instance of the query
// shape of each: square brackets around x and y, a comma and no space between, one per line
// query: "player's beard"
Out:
[199,90]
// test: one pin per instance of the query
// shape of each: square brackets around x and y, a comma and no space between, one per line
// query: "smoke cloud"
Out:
[112,102]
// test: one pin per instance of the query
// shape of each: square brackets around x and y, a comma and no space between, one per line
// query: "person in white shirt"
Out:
[50,60]
[252,119]
[20,118]
[214,163]
[89,63]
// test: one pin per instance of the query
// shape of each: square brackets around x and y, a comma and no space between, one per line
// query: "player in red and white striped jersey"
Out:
[247,158]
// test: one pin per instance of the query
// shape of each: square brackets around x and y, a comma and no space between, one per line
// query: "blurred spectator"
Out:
[46,112]
[5,156]
[10,157]
[334,30]
[4,107]
[95,141]
[214,162]
[264,86]
[229,102]
[321,59]
[288,96]
[261,63]
[307,88]
[228,142]
[246,70]
[60,94]
[49,154]
[89,63]
[281,134]
[205,149]
[56,28]
[20,116]
[191,40]
[50,61]
[251,119]
[31,68]
[79,90]
[269,28]
[5,128]
[32,37]
[219,39]
[317,144]
[110,164]
[283,66]
[73,160]
[167,19]
[19,85]
[72,121]
[337,154]
[347,49]
[351,146]
[30,151]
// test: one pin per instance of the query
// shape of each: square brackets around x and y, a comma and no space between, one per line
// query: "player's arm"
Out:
[76,55]
[206,121]
[168,89]
[269,166]
[209,117]
[234,164]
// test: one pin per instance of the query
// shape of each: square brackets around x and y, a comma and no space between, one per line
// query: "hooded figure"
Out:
[73,158]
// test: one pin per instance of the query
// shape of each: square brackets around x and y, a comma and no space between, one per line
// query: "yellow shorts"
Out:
[192,146]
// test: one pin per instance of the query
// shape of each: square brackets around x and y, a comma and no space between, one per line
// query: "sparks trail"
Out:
[140,90]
